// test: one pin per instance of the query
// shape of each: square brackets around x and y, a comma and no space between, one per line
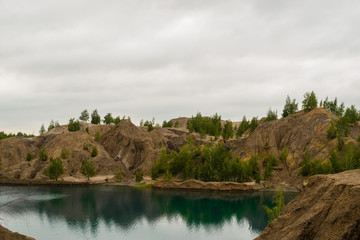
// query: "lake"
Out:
[118,212]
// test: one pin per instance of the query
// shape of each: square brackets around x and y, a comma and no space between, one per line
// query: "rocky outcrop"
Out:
[196,185]
[5,234]
[328,208]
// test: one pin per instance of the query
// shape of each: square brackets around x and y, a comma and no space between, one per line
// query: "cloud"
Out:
[171,58]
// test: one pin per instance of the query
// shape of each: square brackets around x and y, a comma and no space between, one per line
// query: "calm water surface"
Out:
[115,212]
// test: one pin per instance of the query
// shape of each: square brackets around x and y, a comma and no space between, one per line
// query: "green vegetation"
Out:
[42,154]
[166,124]
[270,162]
[84,116]
[86,146]
[53,124]
[73,125]
[42,129]
[118,176]
[244,125]
[309,102]
[271,115]
[29,156]
[64,153]
[210,163]
[290,107]
[3,135]
[87,168]
[205,125]
[228,131]
[56,169]
[253,124]
[108,119]
[95,117]
[117,120]
[94,152]
[279,203]
[332,106]
[139,176]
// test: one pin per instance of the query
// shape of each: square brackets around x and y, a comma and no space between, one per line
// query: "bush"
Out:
[290,107]
[97,136]
[84,116]
[309,102]
[95,117]
[87,130]
[29,156]
[283,155]
[228,131]
[86,146]
[87,168]
[118,176]
[73,125]
[139,176]
[64,153]
[94,152]
[279,203]
[166,124]
[205,125]
[56,168]
[271,115]
[117,120]
[42,154]
[108,119]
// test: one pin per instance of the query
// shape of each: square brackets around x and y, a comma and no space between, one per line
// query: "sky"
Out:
[168,59]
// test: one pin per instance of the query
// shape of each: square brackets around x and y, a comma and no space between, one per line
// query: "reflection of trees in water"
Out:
[84,207]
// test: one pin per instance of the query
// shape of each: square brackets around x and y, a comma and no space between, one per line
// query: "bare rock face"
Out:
[328,208]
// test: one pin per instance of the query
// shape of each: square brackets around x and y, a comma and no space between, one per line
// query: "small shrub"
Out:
[358,139]
[139,176]
[94,152]
[86,146]
[42,154]
[87,130]
[150,127]
[118,177]
[64,153]
[73,125]
[97,136]
[29,156]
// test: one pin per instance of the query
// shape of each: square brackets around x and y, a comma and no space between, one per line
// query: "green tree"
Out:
[117,120]
[84,116]
[42,154]
[139,176]
[228,131]
[352,115]
[73,125]
[290,107]
[306,165]
[42,129]
[56,168]
[87,168]
[95,117]
[332,107]
[254,168]
[335,166]
[253,124]
[309,102]
[271,115]
[64,153]
[94,152]
[244,125]
[279,203]
[168,124]
[51,125]
[108,119]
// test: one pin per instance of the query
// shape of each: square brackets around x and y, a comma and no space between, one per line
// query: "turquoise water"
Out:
[115,212]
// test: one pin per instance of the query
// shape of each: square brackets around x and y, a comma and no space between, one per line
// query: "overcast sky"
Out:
[166,59]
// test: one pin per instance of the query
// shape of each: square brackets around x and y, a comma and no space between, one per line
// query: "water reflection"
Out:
[87,208]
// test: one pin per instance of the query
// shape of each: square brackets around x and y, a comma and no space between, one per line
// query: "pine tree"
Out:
[84,116]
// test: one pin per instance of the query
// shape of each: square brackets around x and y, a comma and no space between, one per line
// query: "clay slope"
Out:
[6,234]
[121,148]
[328,208]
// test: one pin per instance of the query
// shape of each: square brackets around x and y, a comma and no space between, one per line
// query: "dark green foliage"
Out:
[352,115]
[64,153]
[87,130]
[334,163]
[84,116]
[341,142]
[270,162]
[205,125]
[160,166]
[117,120]
[244,125]
[309,102]
[253,124]
[352,158]
[332,107]
[56,168]
[19,134]
[73,125]
[271,115]
[118,176]
[306,165]
[254,168]
[166,124]
[228,131]
[149,125]
[42,154]
[290,107]
[339,128]
[358,138]
[87,168]
[240,170]
[279,203]
[139,176]
[51,125]
[95,117]
[316,167]
[97,136]
[29,156]
[108,119]
[94,152]
[42,129]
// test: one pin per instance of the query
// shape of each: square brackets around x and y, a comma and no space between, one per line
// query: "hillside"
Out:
[127,148]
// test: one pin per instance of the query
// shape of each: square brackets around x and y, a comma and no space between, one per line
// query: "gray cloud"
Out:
[172,58]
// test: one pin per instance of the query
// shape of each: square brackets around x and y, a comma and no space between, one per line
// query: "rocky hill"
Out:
[127,148]
[328,208]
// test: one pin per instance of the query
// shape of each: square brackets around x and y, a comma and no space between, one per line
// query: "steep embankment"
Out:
[5,234]
[328,208]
